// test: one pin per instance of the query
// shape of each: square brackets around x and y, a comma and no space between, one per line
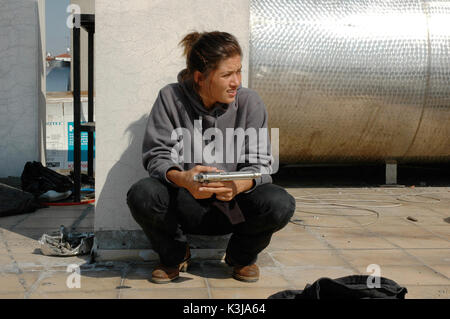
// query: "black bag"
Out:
[350,287]
[13,201]
[37,180]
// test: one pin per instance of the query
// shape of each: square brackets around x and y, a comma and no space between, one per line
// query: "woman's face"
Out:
[222,83]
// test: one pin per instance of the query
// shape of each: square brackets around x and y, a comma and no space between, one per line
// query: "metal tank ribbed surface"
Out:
[354,81]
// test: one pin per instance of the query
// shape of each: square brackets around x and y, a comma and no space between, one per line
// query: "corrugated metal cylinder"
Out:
[354,81]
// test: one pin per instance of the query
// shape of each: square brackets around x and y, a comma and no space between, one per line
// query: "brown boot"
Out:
[163,274]
[246,273]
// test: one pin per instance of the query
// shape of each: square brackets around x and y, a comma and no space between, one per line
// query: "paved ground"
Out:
[335,232]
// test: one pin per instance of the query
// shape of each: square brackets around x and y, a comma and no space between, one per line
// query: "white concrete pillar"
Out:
[137,53]
[22,84]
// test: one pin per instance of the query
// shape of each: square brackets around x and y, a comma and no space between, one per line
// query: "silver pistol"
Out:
[224,176]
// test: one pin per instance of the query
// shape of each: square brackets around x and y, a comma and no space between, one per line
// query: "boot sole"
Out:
[245,279]
[163,281]
[183,268]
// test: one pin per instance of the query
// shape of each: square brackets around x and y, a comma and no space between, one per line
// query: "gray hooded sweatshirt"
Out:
[181,133]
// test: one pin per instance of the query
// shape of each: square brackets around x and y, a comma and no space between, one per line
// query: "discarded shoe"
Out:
[53,196]
[163,274]
[66,243]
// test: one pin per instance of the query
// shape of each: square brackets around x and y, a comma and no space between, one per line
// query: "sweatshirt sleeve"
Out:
[157,145]
[258,156]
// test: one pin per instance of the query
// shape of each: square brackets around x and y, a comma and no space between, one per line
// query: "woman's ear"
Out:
[198,78]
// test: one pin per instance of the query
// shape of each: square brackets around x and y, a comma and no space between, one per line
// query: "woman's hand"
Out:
[186,179]
[227,190]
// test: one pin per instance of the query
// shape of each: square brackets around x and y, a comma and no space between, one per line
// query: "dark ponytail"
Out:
[204,51]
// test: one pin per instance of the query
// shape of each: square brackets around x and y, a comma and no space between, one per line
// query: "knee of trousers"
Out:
[282,207]
[148,195]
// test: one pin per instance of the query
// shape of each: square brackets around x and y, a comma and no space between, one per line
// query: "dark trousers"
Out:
[167,213]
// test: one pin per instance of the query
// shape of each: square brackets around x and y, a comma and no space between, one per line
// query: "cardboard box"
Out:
[59,135]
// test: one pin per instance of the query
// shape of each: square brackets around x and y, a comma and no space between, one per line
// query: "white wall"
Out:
[137,53]
[22,84]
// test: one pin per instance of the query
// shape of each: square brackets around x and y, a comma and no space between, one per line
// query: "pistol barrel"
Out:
[225,176]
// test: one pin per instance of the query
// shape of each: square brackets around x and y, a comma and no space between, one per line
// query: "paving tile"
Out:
[290,229]
[244,293]
[4,255]
[409,236]
[17,282]
[10,283]
[8,295]
[406,209]
[212,269]
[418,240]
[75,294]
[46,222]
[441,210]
[298,276]
[384,229]
[89,281]
[380,257]
[139,278]
[295,241]
[308,258]
[8,221]
[269,277]
[4,258]
[23,235]
[165,293]
[265,260]
[412,275]
[37,259]
[419,199]
[7,234]
[85,229]
[394,221]
[87,222]
[431,256]
[321,221]
[355,197]
[29,278]
[428,292]
[23,246]
[60,212]
[354,239]
[442,231]
[443,269]
[421,221]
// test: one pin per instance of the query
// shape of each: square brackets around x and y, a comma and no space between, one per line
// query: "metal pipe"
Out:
[224,176]
[91,102]
[76,115]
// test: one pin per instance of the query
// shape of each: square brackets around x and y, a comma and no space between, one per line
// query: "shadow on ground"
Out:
[437,175]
